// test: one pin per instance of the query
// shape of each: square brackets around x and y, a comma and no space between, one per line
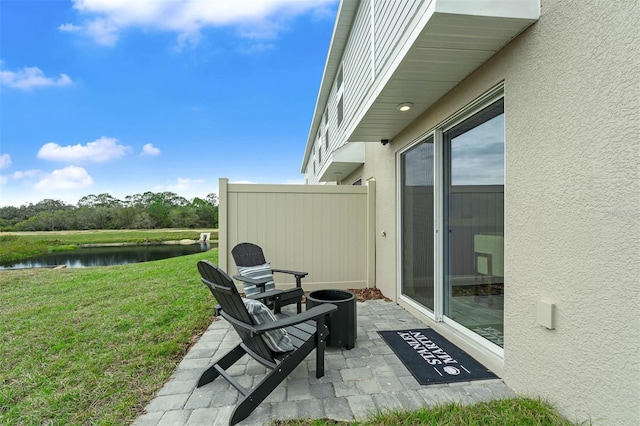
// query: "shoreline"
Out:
[148,243]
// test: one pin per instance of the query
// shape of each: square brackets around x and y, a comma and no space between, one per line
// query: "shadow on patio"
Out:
[357,382]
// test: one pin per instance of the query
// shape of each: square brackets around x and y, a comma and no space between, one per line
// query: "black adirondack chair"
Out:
[307,331]
[248,254]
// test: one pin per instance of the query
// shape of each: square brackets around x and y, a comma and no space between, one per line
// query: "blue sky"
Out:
[128,96]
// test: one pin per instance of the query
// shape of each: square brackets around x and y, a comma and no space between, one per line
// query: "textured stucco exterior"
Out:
[572,205]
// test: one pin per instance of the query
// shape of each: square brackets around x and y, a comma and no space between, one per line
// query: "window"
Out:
[340,109]
[319,155]
[326,140]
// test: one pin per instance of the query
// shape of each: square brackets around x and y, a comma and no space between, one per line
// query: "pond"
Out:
[106,256]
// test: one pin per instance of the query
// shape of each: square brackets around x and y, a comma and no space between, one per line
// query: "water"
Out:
[106,256]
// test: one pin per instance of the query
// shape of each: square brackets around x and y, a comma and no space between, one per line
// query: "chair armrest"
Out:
[313,313]
[298,274]
[286,271]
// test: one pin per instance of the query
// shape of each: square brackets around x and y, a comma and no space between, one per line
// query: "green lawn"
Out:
[92,345]
[506,412]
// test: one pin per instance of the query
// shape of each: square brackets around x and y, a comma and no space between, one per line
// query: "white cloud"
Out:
[183,185]
[26,174]
[102,31]
[5,161]
[70,28]
[3,179]
[150,151]
[71,177]
[101,150]
[29,77]
[254,18]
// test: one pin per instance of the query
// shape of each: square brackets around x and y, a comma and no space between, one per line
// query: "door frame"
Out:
[436,133]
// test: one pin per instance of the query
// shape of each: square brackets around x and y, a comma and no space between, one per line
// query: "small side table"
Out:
[343,323]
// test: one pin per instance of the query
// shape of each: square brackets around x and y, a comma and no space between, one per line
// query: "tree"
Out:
[103,211]
[51,207]
[212,199]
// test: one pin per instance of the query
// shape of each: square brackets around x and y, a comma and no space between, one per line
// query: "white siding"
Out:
[393,19]
[370,49]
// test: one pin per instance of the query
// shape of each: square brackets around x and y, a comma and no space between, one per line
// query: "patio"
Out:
[357,382]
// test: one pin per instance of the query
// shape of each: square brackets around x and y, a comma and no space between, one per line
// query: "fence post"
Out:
[371,233]
[223,223]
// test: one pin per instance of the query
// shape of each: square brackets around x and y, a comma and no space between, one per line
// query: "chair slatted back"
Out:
[248,254]
[227,296]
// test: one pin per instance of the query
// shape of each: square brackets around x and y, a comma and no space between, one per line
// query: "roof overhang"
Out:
[452,40]
[342,162]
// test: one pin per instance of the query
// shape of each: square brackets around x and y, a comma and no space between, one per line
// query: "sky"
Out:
[129,96]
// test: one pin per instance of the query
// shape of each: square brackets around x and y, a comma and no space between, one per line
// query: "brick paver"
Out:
[356,383]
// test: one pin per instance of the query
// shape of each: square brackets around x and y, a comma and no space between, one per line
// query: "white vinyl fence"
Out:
[327,231]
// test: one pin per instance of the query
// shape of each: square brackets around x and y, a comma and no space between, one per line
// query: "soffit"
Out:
[453,40]
[342,162]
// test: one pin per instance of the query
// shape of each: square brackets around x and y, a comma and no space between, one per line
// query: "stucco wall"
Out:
[572,197]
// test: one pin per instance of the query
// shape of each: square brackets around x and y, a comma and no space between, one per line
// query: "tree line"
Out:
[140,211]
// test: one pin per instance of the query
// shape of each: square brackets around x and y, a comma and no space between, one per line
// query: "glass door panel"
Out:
[417,223]
[474,223]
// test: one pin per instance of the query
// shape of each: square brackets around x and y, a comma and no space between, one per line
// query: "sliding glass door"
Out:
[417,223]
[457,184]
[474,222]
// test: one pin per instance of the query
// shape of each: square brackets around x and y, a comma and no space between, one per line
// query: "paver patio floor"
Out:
[357,382]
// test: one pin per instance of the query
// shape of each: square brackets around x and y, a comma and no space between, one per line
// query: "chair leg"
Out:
[227,360]
[299,285]
[250,402]
[321,343]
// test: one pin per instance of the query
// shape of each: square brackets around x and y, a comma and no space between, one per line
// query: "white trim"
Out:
[438,224]
[474,337]
[418,307]
[484,100]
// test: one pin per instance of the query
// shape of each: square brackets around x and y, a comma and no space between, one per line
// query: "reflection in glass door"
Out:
[417,223]
[474,222]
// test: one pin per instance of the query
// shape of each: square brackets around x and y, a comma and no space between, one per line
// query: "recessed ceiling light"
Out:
[404,107]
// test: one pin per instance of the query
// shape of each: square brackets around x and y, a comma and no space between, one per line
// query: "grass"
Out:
[513,411]
[92,345]
[16,246]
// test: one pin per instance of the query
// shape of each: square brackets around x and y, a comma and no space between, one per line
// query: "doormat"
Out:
[433,359]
